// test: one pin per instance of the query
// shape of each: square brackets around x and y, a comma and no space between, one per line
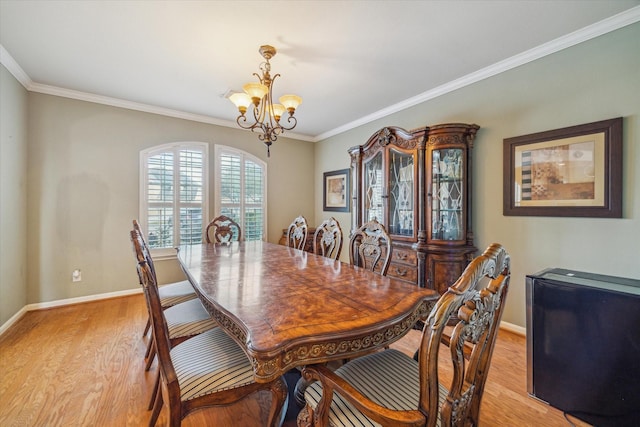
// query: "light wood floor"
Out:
[82,365]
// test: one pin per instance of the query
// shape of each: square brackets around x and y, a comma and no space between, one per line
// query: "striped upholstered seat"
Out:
[188,319]
[389,378]
[170,294]
[391,388]
[175,293]
[209,363]
[184,321]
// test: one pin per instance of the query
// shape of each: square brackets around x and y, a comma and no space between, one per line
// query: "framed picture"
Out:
[574,171]
[336,191]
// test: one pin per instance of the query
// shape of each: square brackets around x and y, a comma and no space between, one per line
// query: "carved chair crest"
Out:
[327,240]
[370,245]
[297,233]
[225,230]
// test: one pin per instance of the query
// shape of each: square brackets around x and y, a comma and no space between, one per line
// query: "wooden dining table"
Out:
[289,308]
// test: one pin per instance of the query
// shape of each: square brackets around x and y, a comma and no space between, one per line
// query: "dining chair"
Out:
[225,230]
[370,247]
[390,388]
[297,233]
[327,239]
[184,320]
[205,371]
[170,293]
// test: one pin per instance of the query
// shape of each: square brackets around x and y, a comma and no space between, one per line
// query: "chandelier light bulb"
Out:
[290,102]
[241,100]
[255,91]
[278,111]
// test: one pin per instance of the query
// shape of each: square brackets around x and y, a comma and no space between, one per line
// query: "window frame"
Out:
[175,147]
[218,151]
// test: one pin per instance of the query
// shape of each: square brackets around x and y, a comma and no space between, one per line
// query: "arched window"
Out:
[174,193]
[241,183]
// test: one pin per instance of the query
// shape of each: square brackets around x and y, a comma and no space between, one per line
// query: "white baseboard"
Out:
[519,330]
[13,320]
[63,302]
[39,306]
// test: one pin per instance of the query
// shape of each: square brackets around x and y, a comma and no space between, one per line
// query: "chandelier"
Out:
[266,114]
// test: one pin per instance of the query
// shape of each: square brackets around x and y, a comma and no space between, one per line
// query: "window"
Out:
[241,190]
[173,193]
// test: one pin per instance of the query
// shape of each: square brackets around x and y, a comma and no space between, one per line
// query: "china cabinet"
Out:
[417,183]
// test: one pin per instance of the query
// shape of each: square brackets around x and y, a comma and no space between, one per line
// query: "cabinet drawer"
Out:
[404,257]
[403,271]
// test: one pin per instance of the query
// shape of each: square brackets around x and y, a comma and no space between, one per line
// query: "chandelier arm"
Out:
[269,104]
[259,113]
[290,119]
[244,119]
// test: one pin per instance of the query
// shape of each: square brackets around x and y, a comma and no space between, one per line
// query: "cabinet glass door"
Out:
[373,185]
[401,193]
[447,201]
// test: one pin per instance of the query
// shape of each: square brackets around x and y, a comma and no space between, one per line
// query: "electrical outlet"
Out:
[76,275]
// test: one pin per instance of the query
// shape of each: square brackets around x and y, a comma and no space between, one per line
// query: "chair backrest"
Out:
[158,323]
[225,230]
[297,233]
[327,240]
[476,301]
[142,251]
[369,246]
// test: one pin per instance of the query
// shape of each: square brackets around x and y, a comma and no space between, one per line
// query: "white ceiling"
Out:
[351,61]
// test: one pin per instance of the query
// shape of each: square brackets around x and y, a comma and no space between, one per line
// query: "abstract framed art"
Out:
[574,171]
[336,191]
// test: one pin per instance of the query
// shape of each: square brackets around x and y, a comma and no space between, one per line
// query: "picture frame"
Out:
[570,172]
[336,191]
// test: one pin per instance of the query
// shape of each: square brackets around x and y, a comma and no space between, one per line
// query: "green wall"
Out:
[13,196]
[83,190]
[596,80]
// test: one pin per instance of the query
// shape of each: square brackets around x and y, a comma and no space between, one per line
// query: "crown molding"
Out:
[123,103]
[12,66]
[605,26]
[136,106]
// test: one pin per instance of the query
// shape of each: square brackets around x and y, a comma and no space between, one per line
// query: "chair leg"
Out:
[157,407]
[149,345]
[150,359]
[147,327]
[154,392]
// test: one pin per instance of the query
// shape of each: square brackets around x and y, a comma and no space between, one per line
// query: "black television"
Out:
[583,345]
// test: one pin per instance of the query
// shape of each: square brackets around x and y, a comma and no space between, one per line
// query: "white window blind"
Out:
[241,190]
[174,193]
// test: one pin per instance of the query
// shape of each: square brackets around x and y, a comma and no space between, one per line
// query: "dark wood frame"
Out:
[612,171]
[347,188]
